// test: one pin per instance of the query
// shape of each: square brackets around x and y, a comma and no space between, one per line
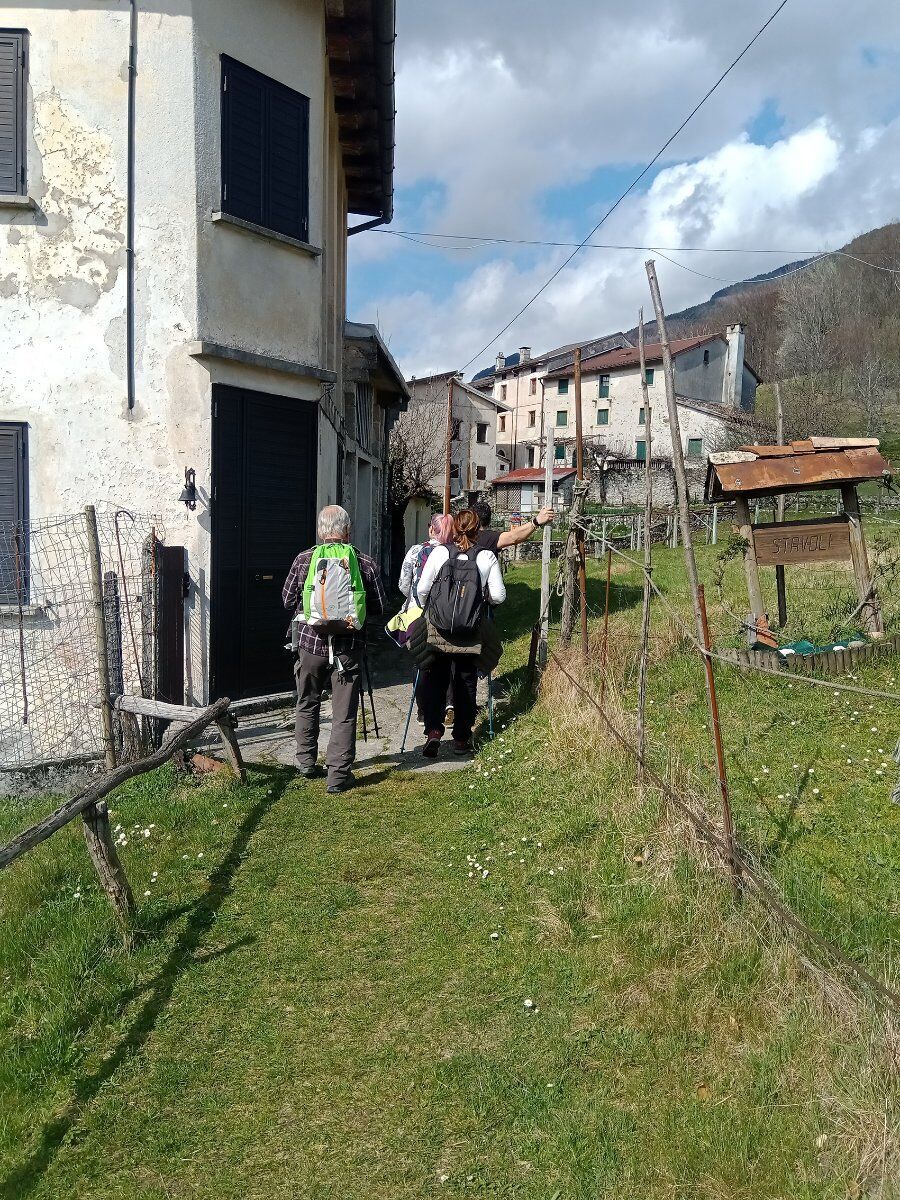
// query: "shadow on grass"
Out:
[185,954]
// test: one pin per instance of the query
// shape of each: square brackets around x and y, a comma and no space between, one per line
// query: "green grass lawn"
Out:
[326,996]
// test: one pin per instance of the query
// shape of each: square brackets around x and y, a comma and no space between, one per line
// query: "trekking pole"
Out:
[371,695]
[362,705]
[491,706]
[412,701]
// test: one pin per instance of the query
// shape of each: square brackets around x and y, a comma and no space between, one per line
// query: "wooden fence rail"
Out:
[92,800]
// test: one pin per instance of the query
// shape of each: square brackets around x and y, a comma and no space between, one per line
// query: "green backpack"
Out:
[334,595]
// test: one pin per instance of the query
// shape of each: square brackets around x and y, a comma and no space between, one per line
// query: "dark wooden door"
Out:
[263,514]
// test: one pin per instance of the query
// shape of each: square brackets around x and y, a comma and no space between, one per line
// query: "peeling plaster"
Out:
[76,254]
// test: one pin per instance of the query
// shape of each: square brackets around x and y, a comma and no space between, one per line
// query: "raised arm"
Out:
[515,537]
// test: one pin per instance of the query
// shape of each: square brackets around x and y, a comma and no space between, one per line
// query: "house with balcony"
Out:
[173,240]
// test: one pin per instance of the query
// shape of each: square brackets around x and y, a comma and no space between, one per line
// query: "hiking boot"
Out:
[432,744]
[315,772]
[335,789]
[459,747]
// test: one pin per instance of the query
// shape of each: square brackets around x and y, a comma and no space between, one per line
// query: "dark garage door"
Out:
[263,515]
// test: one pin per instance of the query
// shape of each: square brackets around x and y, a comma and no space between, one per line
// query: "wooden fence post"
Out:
[97,833]
[648,559]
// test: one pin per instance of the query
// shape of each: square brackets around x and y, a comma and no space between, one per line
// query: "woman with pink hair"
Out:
[440,533]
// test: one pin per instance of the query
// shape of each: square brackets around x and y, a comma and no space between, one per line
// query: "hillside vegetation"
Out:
[830,332]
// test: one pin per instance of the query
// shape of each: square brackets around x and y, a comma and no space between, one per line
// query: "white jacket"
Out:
[488,569]
[408,567]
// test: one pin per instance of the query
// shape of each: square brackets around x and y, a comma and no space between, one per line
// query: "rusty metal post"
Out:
[727,822]
[605,629]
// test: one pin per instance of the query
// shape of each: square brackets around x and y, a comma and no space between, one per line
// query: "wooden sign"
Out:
[783,545]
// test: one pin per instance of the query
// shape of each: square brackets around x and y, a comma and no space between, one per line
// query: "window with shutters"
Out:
[563,387]
[533,387]
[503,424]
[481,472]
[602,416]
[13,513]
[265,151]
[12,112]
[604,387]
[364,405]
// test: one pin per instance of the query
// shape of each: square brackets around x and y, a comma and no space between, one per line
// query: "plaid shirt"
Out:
[292,595]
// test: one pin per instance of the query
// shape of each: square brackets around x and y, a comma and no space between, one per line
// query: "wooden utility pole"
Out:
[545,551]
[96,816]
[579,533]
[727,821]
[684,504]
[648,560]
[684,513]
[449,445]
[779,510]
[869,605]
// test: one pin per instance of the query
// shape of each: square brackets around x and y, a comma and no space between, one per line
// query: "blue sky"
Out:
[505,130]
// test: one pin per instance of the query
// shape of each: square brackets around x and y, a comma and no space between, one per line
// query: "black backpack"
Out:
[456,600]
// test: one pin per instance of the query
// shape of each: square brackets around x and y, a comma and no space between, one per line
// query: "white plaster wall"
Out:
[624,404]
[62,267]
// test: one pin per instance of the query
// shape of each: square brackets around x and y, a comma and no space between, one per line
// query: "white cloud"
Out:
[499,102]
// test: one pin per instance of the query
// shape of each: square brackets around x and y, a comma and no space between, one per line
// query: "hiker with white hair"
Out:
[329,591]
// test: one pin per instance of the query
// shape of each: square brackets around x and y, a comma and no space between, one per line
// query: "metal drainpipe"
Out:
[129,219]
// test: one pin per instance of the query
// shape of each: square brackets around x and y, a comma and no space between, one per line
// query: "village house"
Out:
[714,385]
[474,456]
[175,184]
[521,492]
[517,382]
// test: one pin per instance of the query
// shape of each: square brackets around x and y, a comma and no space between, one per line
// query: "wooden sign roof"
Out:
[809,465]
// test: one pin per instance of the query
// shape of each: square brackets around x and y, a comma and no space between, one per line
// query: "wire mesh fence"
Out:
[810,754]
[49,667]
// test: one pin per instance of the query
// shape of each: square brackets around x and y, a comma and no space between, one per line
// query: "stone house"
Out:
[175,183]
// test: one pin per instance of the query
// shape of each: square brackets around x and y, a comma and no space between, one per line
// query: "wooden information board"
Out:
[792,542]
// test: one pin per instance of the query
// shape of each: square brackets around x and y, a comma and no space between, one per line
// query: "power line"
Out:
[586,245]
[633,183]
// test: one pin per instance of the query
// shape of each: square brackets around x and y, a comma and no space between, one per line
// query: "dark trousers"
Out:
[312,674]
[459,673]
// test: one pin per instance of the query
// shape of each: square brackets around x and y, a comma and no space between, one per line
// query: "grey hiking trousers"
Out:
[312,674]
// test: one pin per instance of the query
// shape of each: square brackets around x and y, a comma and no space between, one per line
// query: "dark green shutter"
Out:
[12,114]
[265,151]
[12,513]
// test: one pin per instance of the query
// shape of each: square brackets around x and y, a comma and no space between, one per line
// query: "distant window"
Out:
[695,447]
[502,391]
[481,472]
[649,373]
[13,84]
[564,387]
[640,451]
[706,358]
[562,416]
[559,453]
[481,432]
[533,387]
[602,416]
[457,425]
[604,387]
[531,456]
[642,419]
[265,151]
[503,424]
[531,416]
